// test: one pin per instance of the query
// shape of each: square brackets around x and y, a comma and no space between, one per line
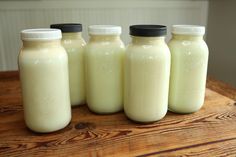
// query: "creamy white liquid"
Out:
[104,74]
[189,58]
[45,86]
[147,69]
[74,45]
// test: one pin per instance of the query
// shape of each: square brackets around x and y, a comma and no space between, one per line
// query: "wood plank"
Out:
[209,132]
[216,148]
[221,87]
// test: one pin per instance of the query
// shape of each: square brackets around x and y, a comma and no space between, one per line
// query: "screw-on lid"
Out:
[147,30]
[188,29]
[68,27]
[104,30]
[41,34]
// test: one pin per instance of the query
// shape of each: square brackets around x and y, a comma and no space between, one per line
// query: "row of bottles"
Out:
[145,79]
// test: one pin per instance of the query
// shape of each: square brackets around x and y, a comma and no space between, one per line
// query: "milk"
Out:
[188,73]
[147,69]
[74,46]
[104,74]
[43,69]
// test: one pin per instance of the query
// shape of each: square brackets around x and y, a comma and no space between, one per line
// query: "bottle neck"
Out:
[104,38]
[187,37]
[42,43]
[147,40]
[74,35]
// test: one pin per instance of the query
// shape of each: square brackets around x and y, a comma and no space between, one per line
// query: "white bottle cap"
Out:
[41,34]
[104,30]
[188,29]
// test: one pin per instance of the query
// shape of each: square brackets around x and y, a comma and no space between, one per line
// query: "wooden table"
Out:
[208,132]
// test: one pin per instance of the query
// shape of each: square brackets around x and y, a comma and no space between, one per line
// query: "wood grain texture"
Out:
[208,132]
[221,87]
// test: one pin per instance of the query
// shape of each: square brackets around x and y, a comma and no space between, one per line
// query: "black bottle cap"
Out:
[68,27]
[148,30]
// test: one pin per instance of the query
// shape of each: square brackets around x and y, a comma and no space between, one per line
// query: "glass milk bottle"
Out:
[147,70]
[44,80]
[104,69]
[74,43]
[188,68]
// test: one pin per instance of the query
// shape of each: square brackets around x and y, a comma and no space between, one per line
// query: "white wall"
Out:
[221,40]
[18,15]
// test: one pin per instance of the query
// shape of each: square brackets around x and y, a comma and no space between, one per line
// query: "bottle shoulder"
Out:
[187,45]
[77,43]
[161,47]
[43,52]
[105,45]
[188,50]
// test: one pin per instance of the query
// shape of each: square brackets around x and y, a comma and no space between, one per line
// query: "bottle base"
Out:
[48,130]
[182,112]
[104,113]
[81,103]
[144,121]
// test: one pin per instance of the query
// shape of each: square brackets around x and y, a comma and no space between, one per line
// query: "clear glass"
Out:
[43,67]
[104,73]
[188,73]
[74,45]
[147,70]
